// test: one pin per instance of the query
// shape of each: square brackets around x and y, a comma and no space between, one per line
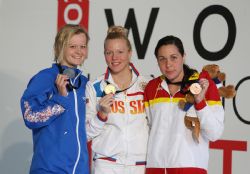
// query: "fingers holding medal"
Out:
[199,89]
[204,83]
[107,100]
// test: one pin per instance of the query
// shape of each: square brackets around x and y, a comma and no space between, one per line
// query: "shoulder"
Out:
[142,81]
[144,78]
[84,78]
[43,80]
[96,85]
[97,80]
[152,87]
[46,74]
[154,82]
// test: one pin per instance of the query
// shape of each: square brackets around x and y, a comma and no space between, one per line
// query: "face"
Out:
[117,55]
[171,62]
[76,51]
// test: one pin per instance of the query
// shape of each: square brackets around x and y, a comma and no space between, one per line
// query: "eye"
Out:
[161,59]
[173,58]
[83,46]
[120,52]
[107,53]
[73,46]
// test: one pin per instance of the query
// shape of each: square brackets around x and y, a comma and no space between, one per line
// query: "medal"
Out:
[195,88]
[109,89]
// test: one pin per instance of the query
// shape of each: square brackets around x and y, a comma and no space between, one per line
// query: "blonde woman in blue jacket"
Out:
[53,107]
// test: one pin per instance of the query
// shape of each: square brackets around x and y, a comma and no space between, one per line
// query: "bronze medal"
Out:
[195,88]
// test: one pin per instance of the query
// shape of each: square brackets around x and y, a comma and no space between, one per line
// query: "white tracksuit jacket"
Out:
[123,137]
[171,144]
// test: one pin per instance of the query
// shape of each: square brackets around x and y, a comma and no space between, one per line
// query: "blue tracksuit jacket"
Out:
[57,123]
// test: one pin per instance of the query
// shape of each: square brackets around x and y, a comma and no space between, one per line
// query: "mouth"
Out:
[169,72]
[115,63]
[78,57]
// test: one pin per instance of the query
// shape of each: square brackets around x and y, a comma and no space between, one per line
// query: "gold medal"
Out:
[195,88]
[109,89]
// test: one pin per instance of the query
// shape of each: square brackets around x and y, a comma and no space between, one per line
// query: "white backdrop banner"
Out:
[213,32]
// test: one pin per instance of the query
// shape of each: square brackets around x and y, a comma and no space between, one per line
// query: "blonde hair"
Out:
[62,38]
[118,32]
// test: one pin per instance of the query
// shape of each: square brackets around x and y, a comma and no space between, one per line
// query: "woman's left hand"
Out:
[204,83]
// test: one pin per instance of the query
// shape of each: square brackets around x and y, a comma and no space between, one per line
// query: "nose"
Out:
[114,55]
[168,63]
[78,49]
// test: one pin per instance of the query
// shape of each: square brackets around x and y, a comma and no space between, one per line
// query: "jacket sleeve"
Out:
[94,125]
[40,103]
[147,107]
[211,112]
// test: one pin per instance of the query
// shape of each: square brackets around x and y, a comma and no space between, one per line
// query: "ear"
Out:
[184,57]
[130,55]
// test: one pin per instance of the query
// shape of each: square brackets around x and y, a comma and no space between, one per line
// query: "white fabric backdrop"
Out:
[27,31]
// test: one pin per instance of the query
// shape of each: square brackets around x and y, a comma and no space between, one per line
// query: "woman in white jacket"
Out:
[116,121]
[172,147]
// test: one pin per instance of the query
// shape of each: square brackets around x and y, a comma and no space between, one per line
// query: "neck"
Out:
[123,79]
[177,79]
[63,63]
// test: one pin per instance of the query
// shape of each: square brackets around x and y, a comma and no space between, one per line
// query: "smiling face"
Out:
[170,62]
[75,52]
[117,55]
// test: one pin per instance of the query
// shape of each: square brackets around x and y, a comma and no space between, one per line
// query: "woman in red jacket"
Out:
[172,147]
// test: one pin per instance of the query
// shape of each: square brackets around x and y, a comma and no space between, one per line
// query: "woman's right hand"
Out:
[61,83]
[105,104]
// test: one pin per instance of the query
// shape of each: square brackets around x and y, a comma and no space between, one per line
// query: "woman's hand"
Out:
[204,83]
[61,83]
[104,106]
